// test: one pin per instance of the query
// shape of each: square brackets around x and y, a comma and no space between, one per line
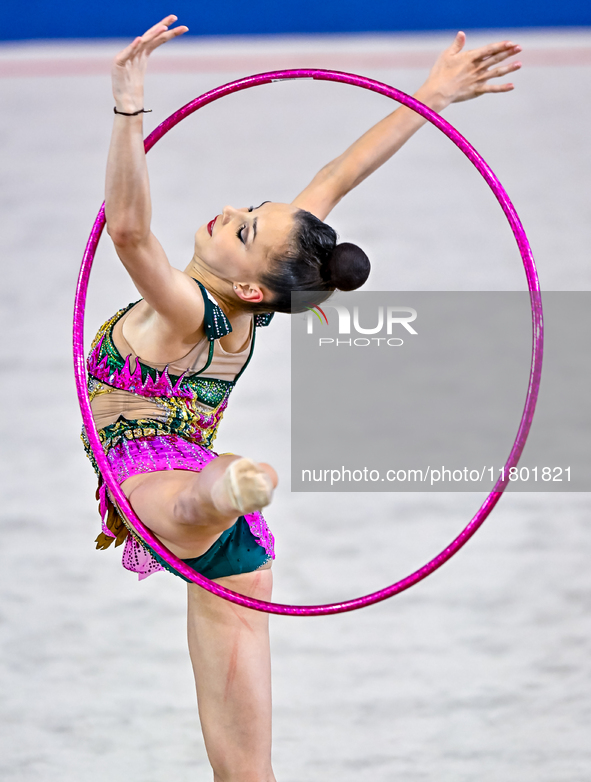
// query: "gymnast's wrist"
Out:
[432,98]
[128,102]
[128,108]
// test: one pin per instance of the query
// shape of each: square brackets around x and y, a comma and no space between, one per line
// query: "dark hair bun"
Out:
[347,267]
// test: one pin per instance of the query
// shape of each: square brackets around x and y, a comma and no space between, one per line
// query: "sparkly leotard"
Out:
[166,417]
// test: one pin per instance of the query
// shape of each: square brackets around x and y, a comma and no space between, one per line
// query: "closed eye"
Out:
[240,232]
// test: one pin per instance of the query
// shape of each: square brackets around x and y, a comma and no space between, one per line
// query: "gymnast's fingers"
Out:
[180,30]
[496,88]
[494,59]
[159,27]
[152,38]
[169,34]
[160,33]
[126,54]
[457,44]
[494,73]
[490,50]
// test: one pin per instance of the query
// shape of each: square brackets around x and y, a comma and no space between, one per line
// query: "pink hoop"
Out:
[535,370]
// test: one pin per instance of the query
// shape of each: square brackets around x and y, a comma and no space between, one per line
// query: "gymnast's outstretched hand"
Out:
[461,75]
[456,76]
[129,66]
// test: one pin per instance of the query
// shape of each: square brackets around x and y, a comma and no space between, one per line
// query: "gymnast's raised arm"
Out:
[456,76]
[172,296]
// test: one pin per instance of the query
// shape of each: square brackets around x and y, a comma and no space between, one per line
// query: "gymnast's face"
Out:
[237,245]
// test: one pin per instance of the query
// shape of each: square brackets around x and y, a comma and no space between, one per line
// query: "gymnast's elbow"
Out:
[126,236]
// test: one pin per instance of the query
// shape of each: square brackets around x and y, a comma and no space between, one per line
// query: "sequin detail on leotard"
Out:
[189,405]
[184,414]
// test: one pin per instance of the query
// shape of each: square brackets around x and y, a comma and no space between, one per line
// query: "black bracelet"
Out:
[132,113]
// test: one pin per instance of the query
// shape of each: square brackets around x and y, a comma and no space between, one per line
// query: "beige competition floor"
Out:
[482,671]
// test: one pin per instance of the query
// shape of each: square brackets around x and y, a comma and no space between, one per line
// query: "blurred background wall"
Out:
[38,19]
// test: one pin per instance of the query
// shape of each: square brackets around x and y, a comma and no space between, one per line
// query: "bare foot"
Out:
[245,486]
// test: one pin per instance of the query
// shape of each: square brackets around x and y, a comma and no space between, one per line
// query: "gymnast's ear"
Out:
[248,292]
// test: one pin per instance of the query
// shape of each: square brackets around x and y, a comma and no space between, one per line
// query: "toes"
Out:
[270,472]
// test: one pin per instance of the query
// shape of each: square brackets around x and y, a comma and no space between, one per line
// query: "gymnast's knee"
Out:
[190,509]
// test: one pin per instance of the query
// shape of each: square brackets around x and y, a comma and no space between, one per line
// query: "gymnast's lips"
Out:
[210,225]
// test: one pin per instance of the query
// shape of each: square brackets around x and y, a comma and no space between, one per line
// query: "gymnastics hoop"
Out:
[534,377]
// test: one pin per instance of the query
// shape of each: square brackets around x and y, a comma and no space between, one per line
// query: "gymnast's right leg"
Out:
[188,511]
[229,647]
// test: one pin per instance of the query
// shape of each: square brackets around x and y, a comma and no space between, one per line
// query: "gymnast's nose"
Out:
[230,212]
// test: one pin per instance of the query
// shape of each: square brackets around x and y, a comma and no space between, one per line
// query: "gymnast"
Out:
[161,371]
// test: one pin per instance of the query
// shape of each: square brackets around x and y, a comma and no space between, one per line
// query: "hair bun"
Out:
[347,267]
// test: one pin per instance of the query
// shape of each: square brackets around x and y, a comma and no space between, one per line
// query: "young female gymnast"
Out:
[194,330]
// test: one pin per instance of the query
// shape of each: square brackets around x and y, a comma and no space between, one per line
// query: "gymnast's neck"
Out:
[220,289]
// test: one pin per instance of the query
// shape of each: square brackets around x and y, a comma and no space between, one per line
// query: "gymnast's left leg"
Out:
[229,648]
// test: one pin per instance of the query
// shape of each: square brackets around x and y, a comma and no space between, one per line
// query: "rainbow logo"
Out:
[313,309]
